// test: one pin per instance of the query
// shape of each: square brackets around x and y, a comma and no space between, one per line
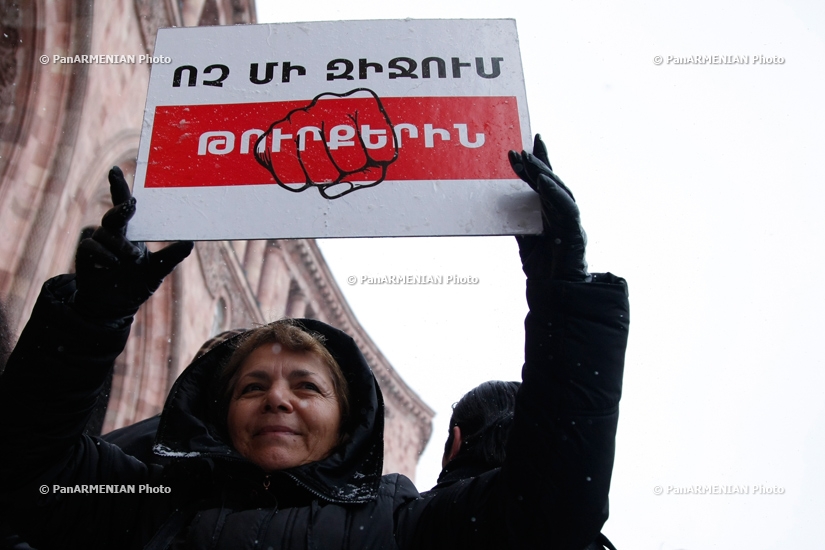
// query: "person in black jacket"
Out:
[218,493]
[479,428]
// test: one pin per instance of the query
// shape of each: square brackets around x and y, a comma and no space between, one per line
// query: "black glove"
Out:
[115,275]
[558,253]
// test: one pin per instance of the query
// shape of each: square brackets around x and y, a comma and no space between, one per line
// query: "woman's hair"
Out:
[485,416]
[292,337]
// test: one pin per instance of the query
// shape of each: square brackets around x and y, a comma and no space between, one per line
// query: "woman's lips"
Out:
[276,430]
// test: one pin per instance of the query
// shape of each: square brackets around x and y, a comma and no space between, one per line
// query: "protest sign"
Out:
[336,129]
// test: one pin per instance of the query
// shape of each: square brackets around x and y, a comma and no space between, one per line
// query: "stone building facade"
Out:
[62,126]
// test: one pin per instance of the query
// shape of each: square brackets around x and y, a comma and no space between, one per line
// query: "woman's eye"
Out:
[250,388]
[310,386]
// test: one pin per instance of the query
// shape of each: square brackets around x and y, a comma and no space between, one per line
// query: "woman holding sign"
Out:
[277,433]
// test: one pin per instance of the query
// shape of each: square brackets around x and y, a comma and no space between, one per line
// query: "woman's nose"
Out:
[279,398]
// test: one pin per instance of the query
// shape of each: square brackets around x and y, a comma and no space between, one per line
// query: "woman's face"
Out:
[283,411]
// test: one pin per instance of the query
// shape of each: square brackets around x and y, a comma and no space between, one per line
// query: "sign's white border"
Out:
[392,208]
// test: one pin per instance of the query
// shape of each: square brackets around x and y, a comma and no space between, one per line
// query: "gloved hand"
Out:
[114,275]
[558,253]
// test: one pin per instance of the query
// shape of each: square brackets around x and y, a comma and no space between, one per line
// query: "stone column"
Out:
[273,289]
[253,263]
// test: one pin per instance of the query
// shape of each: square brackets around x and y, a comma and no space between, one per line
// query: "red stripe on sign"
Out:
[333,138]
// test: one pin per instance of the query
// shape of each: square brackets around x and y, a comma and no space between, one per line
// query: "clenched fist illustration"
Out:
[339,143]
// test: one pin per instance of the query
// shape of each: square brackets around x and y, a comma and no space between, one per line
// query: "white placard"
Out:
[336,129]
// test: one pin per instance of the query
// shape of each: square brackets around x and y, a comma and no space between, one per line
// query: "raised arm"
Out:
[560,453]
[79,325]
[552,491]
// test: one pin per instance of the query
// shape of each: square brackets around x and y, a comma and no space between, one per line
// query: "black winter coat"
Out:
[551,493]
[463,470]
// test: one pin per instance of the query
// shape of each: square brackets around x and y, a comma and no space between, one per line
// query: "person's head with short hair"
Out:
[480,424]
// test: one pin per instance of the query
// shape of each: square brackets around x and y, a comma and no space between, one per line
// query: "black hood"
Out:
[189,427]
